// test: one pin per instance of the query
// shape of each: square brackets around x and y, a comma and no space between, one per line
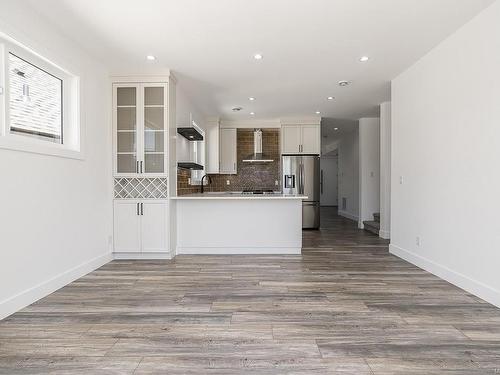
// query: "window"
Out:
[35,97]
[39,103]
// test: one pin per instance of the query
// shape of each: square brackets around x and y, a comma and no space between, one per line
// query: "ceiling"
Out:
[308,46]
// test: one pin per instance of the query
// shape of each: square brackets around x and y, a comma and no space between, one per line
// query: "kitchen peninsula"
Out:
[237,223]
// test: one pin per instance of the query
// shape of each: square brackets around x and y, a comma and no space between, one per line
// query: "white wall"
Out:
[56,212]
[445,144]
[369,168]
[349,173]
[385,170]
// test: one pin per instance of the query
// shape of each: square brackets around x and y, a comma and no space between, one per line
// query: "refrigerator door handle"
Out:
[321,182]
[301,179]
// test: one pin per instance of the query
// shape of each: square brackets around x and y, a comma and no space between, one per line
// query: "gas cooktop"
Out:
[258,191]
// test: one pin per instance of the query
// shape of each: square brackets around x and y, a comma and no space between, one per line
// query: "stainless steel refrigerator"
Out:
[301,176]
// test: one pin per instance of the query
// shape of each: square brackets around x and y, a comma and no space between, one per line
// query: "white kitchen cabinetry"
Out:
[228,151]
[212,136]
[127,227]
[301,139]
[290,139]
[140,131]
[140,226]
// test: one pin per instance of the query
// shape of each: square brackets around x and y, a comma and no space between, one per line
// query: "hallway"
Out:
[346,306]
[339,231]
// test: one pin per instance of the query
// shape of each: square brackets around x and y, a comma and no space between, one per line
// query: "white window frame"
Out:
[71,146]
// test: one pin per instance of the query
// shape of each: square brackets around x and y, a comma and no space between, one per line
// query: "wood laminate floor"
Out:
[346,306]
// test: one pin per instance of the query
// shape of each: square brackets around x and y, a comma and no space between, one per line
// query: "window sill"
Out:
[56,150]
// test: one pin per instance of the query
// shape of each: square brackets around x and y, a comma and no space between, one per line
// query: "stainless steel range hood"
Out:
[258,156]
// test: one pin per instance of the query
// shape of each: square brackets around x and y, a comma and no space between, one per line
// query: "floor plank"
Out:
[345,306]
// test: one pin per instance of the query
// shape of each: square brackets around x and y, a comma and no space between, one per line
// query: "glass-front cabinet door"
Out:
[154,129]
[140,122]
[126,118]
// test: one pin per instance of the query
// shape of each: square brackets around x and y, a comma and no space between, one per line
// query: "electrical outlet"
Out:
[417,241]
[276,183]
[228,182]
[401,180]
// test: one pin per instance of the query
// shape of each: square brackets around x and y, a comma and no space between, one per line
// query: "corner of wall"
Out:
[462,281]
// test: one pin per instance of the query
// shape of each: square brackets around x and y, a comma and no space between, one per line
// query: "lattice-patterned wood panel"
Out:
[137,188]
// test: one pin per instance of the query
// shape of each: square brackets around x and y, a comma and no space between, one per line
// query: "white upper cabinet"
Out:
[311,139]
[228,151]
[212,137]
[140,129]
[301,139]
[290,139]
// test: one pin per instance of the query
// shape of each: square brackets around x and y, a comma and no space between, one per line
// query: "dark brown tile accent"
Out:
[183,186]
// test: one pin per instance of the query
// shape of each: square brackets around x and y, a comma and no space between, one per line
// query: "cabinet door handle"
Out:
[137,166]
[142,209]
[141,166]
[137,209]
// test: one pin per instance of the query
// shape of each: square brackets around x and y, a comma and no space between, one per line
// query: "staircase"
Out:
[373,226]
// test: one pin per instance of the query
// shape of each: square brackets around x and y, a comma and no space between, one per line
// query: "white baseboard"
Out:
[472,286]
[347,215]
[144,256]
[27,297]
[385,234]
[239,250]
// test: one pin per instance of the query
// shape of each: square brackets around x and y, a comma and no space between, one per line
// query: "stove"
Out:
[258,191]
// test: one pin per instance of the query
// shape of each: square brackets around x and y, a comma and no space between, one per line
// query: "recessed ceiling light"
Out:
[252,113]
[330,98]
[343,83]
[318,112]
[150,58]
[335,128]
[251,98]
[257,56]
[364,58]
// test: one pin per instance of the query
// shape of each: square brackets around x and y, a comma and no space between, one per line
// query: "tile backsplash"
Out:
[250,175]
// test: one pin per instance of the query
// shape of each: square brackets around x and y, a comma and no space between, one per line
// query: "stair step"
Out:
[376,216]
[372,226]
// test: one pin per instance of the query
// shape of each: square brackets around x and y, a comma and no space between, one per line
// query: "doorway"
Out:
[329,181]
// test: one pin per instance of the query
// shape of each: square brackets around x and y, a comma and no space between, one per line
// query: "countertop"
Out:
[238,195]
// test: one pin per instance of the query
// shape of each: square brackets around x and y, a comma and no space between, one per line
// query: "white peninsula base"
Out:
[237,224]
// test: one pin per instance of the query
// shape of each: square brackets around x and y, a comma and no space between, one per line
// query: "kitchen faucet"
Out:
[209,182]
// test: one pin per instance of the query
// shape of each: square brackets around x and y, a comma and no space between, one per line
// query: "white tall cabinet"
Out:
[228,151]
[301,139]
[144,166]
